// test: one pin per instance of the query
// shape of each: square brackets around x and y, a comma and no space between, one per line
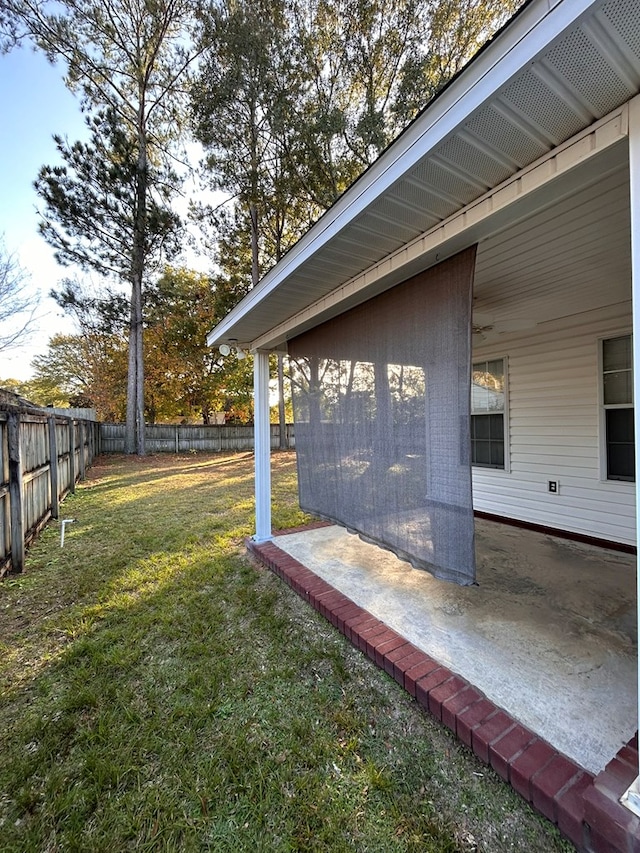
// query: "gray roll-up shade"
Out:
[381,408]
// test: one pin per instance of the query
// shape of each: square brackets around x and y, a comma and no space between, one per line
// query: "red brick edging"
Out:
[585,809]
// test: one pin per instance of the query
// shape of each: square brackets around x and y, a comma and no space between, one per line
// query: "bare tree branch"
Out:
[17,304]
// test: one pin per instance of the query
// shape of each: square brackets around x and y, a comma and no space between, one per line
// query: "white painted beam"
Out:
[262,446]
[631,797]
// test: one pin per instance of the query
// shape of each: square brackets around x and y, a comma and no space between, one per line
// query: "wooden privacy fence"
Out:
[41,458]
[180,438]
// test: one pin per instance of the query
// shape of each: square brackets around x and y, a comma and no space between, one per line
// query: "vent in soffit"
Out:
[578,60]
[473,161]
[395,212]
[495,130]
[421,198]
[624,17]
[539,104]
[446,182]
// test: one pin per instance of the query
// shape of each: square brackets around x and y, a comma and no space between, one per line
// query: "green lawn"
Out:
[162,692]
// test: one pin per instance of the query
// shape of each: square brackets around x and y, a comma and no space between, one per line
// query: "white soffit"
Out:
[556,69]
[581,164]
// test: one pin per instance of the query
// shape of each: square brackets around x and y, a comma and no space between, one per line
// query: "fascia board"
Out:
[519,44]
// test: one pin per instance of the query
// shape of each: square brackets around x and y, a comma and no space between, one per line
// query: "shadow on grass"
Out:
[179,698]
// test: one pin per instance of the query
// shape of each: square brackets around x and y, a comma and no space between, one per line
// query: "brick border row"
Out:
[583,807]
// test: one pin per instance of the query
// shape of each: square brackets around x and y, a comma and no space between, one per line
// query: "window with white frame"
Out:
[617,398]
[488,405]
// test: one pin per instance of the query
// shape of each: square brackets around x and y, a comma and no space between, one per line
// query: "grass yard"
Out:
[162,693]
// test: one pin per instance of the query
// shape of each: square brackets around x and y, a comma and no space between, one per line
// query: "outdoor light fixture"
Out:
[228,349]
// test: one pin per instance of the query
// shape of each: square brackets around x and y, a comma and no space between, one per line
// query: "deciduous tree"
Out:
[92,368]
[184,376]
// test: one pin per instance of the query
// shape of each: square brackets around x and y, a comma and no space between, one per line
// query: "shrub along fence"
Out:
[180,438]
[41,459]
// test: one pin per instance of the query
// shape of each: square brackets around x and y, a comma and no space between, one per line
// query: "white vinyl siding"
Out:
[554,431]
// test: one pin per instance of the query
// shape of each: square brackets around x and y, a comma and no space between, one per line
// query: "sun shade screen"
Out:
[381,408]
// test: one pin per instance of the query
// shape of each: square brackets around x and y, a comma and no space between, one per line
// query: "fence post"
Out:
[177,439]
[81,466]
[15,492]
[89,433]
[53,468]
[72,455]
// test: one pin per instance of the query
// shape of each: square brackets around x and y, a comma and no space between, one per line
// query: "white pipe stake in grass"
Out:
[63,524]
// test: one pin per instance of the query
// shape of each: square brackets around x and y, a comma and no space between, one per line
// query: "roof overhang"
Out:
[546,95]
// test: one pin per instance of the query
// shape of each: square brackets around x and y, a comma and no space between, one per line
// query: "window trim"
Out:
[602,410]
[506,468]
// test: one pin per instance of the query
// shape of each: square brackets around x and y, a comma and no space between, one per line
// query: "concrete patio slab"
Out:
[549,633]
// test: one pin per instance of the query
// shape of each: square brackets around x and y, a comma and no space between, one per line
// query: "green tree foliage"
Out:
[185,378]
[295,98]
[369,66]
[233,104]
[90,202]
[456,29]
[87,369]
[357,68]
[127,59]
[38,391]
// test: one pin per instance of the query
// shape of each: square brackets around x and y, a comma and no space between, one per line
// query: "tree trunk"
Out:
[140,436]
[135,438]
[255,261]
[130,433]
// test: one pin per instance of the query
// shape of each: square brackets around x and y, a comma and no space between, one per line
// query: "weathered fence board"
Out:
[5,501]
[40,459]
[16,505]
[53,462]
[180,438]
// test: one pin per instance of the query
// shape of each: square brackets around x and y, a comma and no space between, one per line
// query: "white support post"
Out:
[262,446]
[631,797]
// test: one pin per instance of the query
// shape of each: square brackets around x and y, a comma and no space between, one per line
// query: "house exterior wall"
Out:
[554,430]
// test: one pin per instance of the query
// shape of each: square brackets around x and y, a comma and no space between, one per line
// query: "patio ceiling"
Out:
[547,76]
[529,272]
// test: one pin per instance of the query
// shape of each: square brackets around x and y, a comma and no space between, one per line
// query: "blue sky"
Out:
[34,104]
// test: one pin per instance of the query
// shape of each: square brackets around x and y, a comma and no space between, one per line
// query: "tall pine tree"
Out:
[127,58]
